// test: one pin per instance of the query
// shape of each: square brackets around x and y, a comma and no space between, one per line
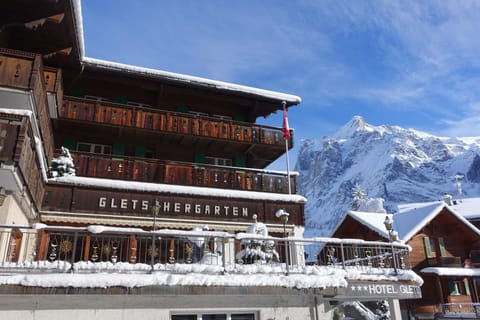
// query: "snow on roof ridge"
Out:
[188,190]
[191,79]
[78,22]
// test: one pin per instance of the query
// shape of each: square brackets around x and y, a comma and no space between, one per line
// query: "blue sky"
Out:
[414,64]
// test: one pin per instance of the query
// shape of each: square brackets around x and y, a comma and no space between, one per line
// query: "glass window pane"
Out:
[243,316]
[214,317]
[85,147]
[184,317]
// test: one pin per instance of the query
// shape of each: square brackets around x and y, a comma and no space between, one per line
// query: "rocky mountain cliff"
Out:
[396,164]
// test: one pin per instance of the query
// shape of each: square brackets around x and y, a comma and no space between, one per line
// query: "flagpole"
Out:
[286,135]
[288,167]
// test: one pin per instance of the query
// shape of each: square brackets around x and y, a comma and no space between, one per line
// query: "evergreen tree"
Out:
[359,196]
[62,165]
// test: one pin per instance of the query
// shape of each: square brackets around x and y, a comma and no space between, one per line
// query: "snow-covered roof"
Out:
[468,208]
[225,86]
[408,221]
[175,189]
[460,272]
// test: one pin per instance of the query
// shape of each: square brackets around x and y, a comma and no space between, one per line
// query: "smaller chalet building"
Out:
[442,243]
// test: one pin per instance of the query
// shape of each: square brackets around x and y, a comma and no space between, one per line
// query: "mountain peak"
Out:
[351,127]
[395,164]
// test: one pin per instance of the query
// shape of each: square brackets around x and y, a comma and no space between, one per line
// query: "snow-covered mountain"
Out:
[396,164]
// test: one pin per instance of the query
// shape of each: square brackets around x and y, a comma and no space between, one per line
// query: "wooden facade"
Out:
[24,71]
[131,126]
[18,147]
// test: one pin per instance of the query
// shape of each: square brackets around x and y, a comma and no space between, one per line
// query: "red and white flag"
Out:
[285,128]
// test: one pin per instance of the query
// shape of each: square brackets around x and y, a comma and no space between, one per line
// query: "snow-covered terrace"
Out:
[366,261]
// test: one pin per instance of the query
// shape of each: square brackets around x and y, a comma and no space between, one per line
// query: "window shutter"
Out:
[428,250]
[199,158]
[122,100]
[467,287]
[119,149]
[183,109]
[76,93]
[70,144]
[239,117]
[441,244]
[140,151]
[240,162]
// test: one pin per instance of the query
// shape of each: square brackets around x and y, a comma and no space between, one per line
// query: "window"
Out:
[94,148]
[434,247]
[214,316]
[184,317]
[218,161]
[458,287]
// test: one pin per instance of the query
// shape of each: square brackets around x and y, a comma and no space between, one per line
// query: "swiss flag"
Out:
[285,128]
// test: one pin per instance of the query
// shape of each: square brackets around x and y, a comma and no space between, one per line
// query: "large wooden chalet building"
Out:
[169,170]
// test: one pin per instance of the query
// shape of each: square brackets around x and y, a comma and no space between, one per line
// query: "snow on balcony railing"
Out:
[94,249]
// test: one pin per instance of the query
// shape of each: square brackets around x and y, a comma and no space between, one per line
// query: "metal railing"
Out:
[97,248]
[458,311]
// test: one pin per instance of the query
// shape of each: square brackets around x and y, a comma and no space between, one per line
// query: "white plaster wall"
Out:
[146,307]
[279,313]
[11,214]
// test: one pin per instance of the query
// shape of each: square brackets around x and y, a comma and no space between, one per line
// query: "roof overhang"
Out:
[452,272]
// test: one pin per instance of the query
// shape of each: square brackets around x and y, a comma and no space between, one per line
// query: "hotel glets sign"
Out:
[174,207]
[386,290]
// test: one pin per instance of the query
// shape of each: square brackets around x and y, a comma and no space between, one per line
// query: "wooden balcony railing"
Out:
[452,262]
[180,173]
[167,121]
[24,71]
[18,147]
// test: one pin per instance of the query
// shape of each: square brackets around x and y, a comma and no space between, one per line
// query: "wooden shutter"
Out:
[441,244]
[140,151]
[199,158]
[70,143]
[428,249]
[467,287]
[119,149]
[240,162]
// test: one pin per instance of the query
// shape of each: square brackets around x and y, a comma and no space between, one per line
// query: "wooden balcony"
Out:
[18,148]
[451,262]
[173,122]
[24,71]
[180,173]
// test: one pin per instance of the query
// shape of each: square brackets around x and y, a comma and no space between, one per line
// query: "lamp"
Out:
[3,196]
[155,210]
[392,236]
[283,216]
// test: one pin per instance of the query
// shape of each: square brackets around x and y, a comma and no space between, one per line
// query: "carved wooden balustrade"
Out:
[18,147]
[24,71]
[181,173]
[167,121]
